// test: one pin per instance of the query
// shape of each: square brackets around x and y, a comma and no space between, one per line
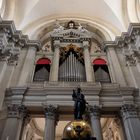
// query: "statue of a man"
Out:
[80,103]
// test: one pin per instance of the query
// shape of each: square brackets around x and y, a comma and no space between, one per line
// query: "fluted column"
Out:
[14,122]
[95,122]
[50,114]
[89,70]
[6,80]
[131,122]
[55,65]
[28,66]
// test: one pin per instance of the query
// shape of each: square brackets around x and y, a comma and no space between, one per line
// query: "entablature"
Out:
[60,93]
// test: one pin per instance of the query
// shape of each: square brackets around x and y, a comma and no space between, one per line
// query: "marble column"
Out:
[95,122]
[6,80]
[14,122]
[55,65]
[28,66]
[88,68]
[50,114]
[131,122]
[119,76]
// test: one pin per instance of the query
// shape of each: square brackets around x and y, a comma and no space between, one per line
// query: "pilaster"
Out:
[15,118]
[9,59]
[28,66]
[89,70]
[131,121]
[119,76]
[55,63]
[133,64]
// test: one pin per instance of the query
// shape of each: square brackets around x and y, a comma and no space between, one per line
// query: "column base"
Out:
[92,138]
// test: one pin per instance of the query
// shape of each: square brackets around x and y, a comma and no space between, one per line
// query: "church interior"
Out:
[49,48]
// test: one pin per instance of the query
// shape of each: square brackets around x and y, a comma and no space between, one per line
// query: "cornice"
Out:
[59,93]
[126,37]
[16,36]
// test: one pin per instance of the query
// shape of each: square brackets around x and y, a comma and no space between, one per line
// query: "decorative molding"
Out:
[129,111]
[17,111]
[126,38]
[51,111]
[16,36]
[13,111]
[130,61]
[109,95]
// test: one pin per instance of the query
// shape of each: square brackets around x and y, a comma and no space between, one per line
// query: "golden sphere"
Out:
[77,129]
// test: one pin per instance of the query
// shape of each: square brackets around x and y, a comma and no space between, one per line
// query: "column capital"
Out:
[95,111]
[129,111]
[16,111]
[51,111]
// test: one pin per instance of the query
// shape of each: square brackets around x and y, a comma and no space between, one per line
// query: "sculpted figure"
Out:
[80,103]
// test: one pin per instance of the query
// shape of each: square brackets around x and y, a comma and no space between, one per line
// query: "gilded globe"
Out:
[77,129]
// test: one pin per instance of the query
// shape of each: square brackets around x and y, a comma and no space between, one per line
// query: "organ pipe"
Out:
[71,69]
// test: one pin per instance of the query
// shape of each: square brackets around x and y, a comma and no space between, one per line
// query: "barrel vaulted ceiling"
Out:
[111,17]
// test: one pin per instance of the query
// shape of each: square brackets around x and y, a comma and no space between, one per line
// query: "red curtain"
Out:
[99,61]
[44,61]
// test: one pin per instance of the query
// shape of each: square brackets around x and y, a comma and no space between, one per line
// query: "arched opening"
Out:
[101,71]
[71,66]
[42,70]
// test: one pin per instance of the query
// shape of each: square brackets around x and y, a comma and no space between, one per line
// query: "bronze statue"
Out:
[80,104]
